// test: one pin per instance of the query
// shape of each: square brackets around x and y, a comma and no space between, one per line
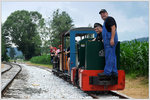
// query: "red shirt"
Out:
[51,50]
[55,48]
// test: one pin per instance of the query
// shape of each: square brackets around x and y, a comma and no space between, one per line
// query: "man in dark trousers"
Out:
[110,39]
[98,29]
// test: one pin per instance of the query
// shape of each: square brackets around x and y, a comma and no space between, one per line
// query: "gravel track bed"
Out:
[33,83]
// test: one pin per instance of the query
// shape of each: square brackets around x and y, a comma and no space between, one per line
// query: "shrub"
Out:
[44,59]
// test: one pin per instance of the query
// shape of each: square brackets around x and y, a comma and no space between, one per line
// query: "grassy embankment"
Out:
[43,60]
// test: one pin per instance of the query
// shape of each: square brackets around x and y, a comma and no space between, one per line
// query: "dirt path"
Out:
[136,88]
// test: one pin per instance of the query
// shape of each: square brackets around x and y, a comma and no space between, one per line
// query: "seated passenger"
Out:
[98,29]
[60,47]
[52,51]
[68,56]
[58,50]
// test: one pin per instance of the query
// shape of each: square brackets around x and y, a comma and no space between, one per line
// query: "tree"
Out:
[12,53]
[4,44]
[23,26]
[60,23]
[45,34]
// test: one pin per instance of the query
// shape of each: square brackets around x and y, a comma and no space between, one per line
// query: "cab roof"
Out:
[79,29]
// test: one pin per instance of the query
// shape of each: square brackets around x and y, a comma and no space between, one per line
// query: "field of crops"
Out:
[134,57]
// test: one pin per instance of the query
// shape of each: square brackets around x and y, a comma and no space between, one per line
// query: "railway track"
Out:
[6,69]
[8,75]
[108,94]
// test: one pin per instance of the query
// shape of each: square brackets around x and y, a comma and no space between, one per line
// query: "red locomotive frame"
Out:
[86,86]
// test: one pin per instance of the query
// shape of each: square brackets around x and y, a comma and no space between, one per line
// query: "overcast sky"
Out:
[132,17]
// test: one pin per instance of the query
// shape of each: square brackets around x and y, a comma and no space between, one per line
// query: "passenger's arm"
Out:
[113,29]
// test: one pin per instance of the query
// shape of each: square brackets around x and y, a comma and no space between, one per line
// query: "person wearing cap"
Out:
[98,29]
[110,40]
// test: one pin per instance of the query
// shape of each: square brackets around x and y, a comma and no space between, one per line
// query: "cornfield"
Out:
[134,57]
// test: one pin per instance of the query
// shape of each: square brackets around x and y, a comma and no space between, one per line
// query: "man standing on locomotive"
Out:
[110,39]
[98,29]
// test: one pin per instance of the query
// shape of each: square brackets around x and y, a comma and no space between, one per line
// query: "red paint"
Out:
[73,72]
[84,81]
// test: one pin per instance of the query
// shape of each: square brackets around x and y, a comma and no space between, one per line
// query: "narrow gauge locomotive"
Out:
[87,59]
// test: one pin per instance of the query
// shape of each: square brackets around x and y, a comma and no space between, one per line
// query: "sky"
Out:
[132,17]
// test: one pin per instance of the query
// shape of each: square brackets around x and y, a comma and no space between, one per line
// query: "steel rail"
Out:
[9,82]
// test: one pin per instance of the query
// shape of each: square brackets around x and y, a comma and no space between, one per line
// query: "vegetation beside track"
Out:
[44,59]
[134,58]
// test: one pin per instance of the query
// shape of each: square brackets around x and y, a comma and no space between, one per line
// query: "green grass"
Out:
[44,59]
[131,75]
